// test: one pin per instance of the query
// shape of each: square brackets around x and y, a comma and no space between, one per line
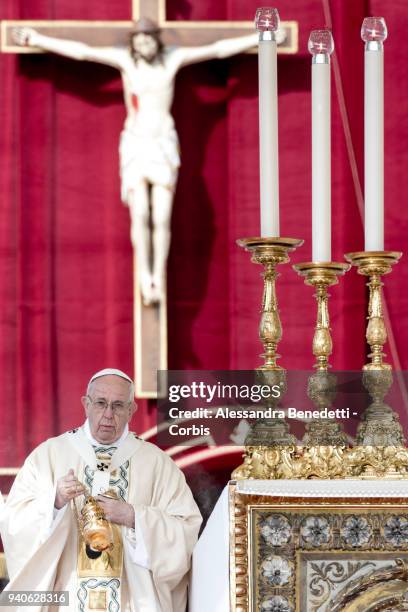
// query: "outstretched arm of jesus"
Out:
[68,48]
[219,49]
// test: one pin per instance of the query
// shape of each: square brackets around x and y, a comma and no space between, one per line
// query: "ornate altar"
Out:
[322,524]
[318,547]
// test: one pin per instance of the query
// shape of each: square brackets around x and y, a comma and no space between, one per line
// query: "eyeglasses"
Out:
[102,404]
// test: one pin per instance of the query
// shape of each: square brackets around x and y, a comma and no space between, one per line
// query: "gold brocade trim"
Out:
[98,600]
[3,567]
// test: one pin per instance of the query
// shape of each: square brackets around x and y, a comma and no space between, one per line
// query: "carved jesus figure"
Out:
[149,149]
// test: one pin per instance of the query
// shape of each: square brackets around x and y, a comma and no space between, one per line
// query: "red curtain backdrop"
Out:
[66,300]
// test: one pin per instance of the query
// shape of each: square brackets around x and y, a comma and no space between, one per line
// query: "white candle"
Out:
[321,46]
[374,32]
[267,23]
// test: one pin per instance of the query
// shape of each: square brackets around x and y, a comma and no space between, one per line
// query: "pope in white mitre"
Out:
[153,518]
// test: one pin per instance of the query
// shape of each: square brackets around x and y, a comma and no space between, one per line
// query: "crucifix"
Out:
[148,144]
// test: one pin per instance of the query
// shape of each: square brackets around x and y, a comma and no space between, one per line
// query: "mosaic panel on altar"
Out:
[319,554]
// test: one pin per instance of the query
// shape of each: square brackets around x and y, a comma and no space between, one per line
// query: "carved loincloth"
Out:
[155,160]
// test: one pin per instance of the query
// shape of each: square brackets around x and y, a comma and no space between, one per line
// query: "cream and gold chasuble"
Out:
[146,572]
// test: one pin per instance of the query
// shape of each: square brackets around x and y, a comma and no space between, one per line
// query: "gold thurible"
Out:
[95,529]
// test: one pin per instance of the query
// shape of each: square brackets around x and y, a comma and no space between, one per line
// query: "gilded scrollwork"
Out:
[239,553]
[324,462]
[387,462]
[291,462]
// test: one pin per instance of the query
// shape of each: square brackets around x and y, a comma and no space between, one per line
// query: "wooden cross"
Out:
[111,33]
[150,323]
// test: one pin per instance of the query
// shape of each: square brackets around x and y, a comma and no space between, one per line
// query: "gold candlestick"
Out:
[269,440]
[322,433]
[321,276]
[375,264]
[380,425]
[270,252]
[380,449]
